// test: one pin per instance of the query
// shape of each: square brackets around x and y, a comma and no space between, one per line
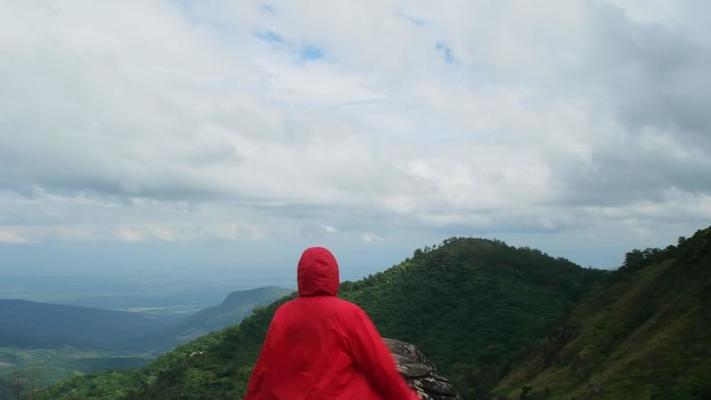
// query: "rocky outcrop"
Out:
[420,373]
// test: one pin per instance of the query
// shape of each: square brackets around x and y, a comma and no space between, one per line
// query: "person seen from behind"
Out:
[320,347]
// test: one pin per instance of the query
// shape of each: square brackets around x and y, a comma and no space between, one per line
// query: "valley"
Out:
[41,343]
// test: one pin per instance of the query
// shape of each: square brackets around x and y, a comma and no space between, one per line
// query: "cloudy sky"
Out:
[198,135]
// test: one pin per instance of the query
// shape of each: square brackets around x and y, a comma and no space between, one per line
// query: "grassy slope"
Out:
[647,336]
[42,367]
[472,305]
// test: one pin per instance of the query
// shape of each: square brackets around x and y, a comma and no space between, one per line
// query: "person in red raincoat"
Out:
[320,347]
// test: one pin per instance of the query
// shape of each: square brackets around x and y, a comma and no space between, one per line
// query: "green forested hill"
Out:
[647,336]
[472,305]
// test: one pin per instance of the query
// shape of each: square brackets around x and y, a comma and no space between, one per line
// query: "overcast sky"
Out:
[198,135]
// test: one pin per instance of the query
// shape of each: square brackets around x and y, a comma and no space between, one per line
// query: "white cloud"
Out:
[329,228]
[369,237]
[130,234]
[156,121]
[12,235]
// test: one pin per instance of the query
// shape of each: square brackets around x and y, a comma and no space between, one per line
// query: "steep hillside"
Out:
[238,305]
[30,324]
[648,336]
[473,306]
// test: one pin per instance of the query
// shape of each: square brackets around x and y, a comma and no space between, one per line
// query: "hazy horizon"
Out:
[160,275]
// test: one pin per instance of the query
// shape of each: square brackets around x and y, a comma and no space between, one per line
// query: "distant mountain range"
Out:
[31,325]
[232,310]
[28,324]
[41,343]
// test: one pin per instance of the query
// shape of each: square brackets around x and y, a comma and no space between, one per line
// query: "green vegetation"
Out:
[493,318]
[39,337]
[36,368]
[473,306]
[646,336]
[214,366]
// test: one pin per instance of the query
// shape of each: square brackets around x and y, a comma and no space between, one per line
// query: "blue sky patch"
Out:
[311,52]
[269,9]
[414,20]
[446,52]
[270,37]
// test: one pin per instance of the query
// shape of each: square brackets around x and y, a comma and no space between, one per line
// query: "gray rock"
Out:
[420,373]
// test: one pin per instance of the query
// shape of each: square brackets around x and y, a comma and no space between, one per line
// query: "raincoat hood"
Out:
[318,273]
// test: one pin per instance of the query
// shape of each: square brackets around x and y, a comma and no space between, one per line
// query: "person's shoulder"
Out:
[347,306]
[323,303]
[284,307]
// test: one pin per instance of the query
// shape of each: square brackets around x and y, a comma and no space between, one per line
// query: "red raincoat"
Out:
[320,347]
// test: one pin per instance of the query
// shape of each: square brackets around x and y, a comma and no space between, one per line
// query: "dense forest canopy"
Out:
[646,336]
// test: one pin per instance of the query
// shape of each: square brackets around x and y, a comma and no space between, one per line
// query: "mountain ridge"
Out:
[645,336]
[427,299]
[236,306]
